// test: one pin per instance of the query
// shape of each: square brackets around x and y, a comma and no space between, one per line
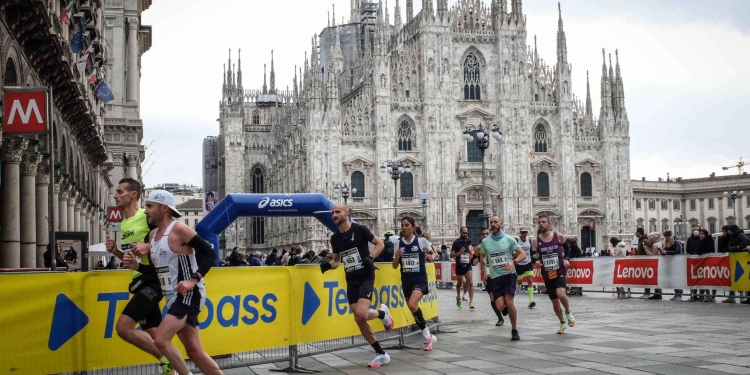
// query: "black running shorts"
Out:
[553,284]
[143,307]
[500,286]
[359,289]
[410,287]
[179,310]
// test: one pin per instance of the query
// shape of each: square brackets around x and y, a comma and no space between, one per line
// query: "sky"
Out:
[684,65]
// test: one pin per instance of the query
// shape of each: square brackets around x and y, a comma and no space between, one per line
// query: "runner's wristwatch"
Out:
[196,276]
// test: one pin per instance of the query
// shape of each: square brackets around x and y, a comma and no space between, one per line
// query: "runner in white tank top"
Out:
[173,249]
[525,269]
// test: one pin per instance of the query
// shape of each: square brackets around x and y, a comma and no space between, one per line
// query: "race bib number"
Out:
[498,261]
[165,282]
[550,261]
[464,258]
[410,262]
[351,259]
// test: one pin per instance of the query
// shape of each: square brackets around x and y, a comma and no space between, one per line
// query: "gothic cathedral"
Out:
[371,92]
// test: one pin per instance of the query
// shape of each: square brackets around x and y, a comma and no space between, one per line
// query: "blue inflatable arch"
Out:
[233,206]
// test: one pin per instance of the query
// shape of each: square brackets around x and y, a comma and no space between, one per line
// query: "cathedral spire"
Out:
[589,115]
[224,77]
[294,82]
[620,89]
[503,7]
[265,88]
[229,69]
[442,9]
[334,70]
[333,13]
[397,17]
[606,89]
[562,45]
[427,8]
[517,7]
[354,17]
[273,76]
[239,70]
[409,10]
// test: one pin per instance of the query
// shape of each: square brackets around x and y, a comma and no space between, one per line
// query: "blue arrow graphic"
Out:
[67,320]
[738,271]
[310,303]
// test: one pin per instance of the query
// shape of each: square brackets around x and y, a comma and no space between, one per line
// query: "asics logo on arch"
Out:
[266,201]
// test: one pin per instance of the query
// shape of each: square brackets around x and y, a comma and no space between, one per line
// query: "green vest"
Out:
[134,229]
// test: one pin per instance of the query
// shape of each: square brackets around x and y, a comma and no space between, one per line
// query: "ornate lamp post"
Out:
[733,195]
[395,169]
[344,190]
[481,136]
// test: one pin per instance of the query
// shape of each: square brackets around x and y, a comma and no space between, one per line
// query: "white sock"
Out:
[426,333]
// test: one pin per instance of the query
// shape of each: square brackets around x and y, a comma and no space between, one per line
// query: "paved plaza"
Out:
[612,337]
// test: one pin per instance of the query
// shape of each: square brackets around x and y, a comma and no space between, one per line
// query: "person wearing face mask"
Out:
[693,247]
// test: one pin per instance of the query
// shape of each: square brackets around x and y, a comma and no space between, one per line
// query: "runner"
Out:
[412,253]
[525,269]
[173,248]
[504,253]
[553,252]
[461,252]
[350,248]
[500,320]
[143,307]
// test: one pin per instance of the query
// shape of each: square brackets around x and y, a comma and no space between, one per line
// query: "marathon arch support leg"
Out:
[233,206]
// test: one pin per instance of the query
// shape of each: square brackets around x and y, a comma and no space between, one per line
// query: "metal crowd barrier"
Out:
[285,354]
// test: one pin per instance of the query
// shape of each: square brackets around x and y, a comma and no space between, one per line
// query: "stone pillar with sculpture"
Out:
[77,213]
[29,166]
[72,209]
[42,213]
[133,74]
[11,154]
[133,161]
[62,207]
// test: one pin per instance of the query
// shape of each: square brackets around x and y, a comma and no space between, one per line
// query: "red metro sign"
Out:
[24,112]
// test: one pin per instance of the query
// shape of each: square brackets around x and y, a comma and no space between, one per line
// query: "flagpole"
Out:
[51,209]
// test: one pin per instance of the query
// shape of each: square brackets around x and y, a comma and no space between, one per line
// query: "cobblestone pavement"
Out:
[613,336]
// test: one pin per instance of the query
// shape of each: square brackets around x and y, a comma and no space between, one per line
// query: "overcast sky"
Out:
[684,65]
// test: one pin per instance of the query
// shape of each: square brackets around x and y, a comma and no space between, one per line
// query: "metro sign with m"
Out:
[114,215]
[24,111]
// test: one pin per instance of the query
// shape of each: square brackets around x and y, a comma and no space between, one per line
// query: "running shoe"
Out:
[387,319]
[514,336]
[464,298]
[166,369]
[532,304]
[563,327]
[380,359]
[728,300]
[571,319]
[458,302]
[428,344]
[471,305]
[500,322]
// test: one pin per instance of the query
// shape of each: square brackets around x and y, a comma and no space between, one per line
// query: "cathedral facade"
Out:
[372,92]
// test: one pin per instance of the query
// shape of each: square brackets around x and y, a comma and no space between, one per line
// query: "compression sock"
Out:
[378,349]
[497,312]
[531,294]
[419,319]
[381,314]
[163,360]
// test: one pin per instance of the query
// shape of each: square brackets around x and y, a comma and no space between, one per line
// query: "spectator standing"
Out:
[296,255]
[387,254]
[255,259]
[234,257]
[672,247]
[273,258]
[707,247]
[693,247]
[619,249]
[285,255]
[652,246]
[738,242]
[242,261]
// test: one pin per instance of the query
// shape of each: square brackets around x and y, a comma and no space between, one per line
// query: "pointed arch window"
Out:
[472,78]
[256,118]
[542,185]
[358,182]
[586,185]
[540,138]
[10,78]
[405,138]
[258,223]
[407,185]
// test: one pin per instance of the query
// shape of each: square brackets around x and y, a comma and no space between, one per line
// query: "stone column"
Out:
[72,210]
[29,166]
[56,202]
[77,213]
[11,153]
[42,213]
[91,219]
[133,75]
[133,160]
[62,208]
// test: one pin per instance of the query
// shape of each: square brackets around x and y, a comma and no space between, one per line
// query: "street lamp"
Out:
[395,169]
[734,194]
[482,137]
[344,189]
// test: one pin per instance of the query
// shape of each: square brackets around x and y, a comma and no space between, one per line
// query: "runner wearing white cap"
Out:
[525,269]
[173,249]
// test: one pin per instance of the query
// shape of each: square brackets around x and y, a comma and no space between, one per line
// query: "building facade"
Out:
[36,50]
[372,92]
[678,204]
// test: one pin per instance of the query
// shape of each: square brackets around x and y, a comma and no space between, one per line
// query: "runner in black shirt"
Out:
[350,249]
[463,252]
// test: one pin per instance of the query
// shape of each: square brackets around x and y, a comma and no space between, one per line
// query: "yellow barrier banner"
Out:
[739,268]
[65,322]
[323,311]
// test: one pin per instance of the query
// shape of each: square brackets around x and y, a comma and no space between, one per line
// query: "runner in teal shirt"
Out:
[502,253]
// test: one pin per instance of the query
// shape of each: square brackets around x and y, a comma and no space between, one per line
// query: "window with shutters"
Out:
[586,185]
[542,185]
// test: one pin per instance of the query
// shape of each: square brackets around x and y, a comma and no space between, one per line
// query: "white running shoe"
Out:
[387,319]
[428,344]
[380,359]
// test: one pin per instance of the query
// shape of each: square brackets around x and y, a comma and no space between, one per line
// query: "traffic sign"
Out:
[25,110]
[114,215]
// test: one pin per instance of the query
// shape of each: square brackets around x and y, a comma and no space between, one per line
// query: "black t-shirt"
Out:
[355,253]
[462,262]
